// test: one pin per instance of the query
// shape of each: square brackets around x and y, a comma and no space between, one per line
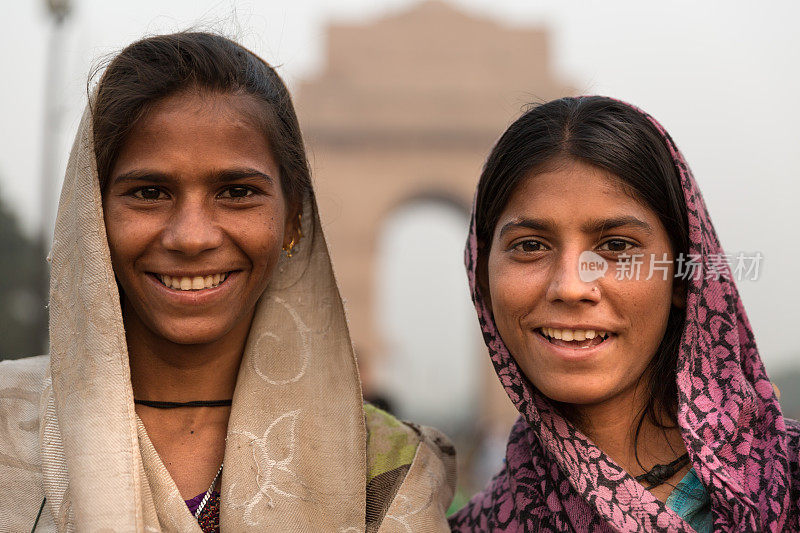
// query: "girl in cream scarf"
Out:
[189,265]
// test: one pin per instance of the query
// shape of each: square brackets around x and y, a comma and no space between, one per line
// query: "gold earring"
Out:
[289,247]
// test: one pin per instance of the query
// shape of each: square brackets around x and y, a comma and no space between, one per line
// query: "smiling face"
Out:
[195,217]
[579,340]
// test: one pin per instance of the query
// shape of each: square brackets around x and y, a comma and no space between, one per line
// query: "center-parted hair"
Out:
[612,136]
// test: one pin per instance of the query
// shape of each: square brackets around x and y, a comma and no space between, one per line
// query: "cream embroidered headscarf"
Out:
[295,458]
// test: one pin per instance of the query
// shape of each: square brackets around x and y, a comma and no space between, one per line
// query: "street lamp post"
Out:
[58,11]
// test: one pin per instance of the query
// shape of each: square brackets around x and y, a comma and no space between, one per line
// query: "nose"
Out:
[565,284]
[192,229]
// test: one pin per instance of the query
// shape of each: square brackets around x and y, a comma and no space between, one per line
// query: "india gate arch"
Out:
[402,106]
[420,289]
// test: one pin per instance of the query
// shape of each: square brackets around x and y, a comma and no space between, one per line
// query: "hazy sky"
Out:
[721,76]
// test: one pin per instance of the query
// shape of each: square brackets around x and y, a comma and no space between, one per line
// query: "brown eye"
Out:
[615,245]
[529,246]
[148,193]
[236,192]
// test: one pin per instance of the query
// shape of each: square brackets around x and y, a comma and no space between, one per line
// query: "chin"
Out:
[193,339]
[576,390]
[578,397]
[185,331]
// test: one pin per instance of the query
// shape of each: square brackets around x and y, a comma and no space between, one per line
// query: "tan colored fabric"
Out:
[296,445]
[419,505]
[410,464]
[21,385]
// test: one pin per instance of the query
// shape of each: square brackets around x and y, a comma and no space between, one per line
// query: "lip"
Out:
[574,354]
[187,274]
[198,297]
[576,326]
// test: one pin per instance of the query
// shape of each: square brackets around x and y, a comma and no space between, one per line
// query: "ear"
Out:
[679,293]
[291,226]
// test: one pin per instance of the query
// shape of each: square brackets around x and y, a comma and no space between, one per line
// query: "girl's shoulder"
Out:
[25,369]
[22,382]
[792,428]
[410,473]
[793,448]
[793,434]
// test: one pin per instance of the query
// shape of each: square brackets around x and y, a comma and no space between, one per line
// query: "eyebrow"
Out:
[223,176]
[601,225]
[536,224]
[591,226]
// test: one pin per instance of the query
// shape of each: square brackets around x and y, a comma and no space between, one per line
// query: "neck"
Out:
[162,370]
[612,425]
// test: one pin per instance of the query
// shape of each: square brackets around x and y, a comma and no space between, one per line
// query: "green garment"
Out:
[690,500]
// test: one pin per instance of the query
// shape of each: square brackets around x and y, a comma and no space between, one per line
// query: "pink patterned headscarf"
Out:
[744,452]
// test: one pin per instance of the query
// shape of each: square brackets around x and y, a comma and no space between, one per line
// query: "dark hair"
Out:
[156,67]
[615,137]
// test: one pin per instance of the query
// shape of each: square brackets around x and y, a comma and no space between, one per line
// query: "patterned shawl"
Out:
[743,450]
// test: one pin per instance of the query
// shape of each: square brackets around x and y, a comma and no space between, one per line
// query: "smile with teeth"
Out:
[574,338]
[196,283]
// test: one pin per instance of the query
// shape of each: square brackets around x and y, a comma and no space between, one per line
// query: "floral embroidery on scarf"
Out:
[273,454]
[304,350]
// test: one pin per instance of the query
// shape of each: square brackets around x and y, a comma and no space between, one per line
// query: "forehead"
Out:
[573,191]
[195,128]
[198,108]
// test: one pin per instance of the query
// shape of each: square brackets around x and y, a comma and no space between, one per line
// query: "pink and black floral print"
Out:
[743,450]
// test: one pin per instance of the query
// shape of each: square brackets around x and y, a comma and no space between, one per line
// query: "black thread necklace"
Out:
[175,405]
[661,473]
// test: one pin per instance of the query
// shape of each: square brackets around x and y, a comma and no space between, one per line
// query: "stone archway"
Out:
[404,105]
[431,367]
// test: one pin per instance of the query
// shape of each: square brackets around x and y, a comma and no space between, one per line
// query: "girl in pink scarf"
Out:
[614,324]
